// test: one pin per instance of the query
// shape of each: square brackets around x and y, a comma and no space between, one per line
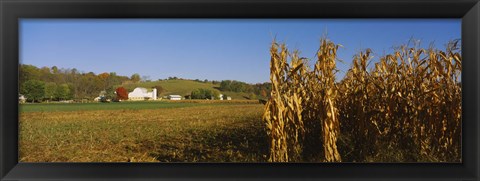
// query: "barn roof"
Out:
[141,89]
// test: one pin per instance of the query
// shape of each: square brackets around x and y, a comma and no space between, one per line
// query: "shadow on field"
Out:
[245,144]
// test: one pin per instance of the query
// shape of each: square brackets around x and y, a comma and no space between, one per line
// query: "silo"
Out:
[154,96]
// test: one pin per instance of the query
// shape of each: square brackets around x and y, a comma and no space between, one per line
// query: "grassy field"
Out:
[143,132]
[127,105]
[59,107]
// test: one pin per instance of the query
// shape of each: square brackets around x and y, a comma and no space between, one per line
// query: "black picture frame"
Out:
[12,10]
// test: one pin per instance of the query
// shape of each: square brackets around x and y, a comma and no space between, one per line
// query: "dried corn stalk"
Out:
[300,95]
[407,107]
[324,93]
[283,110]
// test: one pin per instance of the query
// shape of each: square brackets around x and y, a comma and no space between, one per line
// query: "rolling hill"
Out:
[182,87]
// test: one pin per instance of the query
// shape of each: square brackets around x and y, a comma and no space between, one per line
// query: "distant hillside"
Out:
[182,87]
[40,84]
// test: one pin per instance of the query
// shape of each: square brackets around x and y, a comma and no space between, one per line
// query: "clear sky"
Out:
[213,49]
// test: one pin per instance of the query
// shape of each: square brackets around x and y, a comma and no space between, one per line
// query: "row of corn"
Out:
[406,107]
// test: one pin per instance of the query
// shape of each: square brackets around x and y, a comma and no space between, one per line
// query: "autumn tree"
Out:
[122,93]
[104,78]
[263,93]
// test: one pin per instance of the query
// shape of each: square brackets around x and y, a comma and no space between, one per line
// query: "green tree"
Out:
[34,90]
[113,80]
[197,94]
[252,96]
[55,70]
[111,93]
[235,86]
[82,85]
[46,74]
[204,94]
[135,78]
[160,90]
[26,73]
[71,91]
[212,94]
[225,85]
[50,90]
[63,92]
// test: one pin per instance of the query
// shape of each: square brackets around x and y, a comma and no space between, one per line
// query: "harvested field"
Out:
[199,133]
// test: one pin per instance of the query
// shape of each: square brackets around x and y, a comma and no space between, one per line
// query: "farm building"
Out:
[175,97]
[140,94]
[21,98]
[97,99]
[224,97]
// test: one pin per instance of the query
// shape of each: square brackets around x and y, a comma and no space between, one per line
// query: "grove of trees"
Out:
[39,84]
[205,94]
[33,89]
[256,89]
[54,84]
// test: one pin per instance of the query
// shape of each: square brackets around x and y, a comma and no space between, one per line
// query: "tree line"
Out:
[56,84]
[39,84]
[261,89]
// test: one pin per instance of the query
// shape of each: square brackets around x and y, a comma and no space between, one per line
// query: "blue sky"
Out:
[213,49]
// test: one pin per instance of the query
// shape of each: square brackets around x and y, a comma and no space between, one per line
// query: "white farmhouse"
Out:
[175,97]
[140,94]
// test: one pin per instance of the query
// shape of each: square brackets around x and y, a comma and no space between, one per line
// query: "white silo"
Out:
[154,96]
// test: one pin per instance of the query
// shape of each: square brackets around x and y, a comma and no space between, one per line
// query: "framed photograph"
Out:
[239,90]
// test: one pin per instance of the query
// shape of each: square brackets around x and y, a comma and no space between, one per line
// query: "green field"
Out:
[54,107]
[142,132]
